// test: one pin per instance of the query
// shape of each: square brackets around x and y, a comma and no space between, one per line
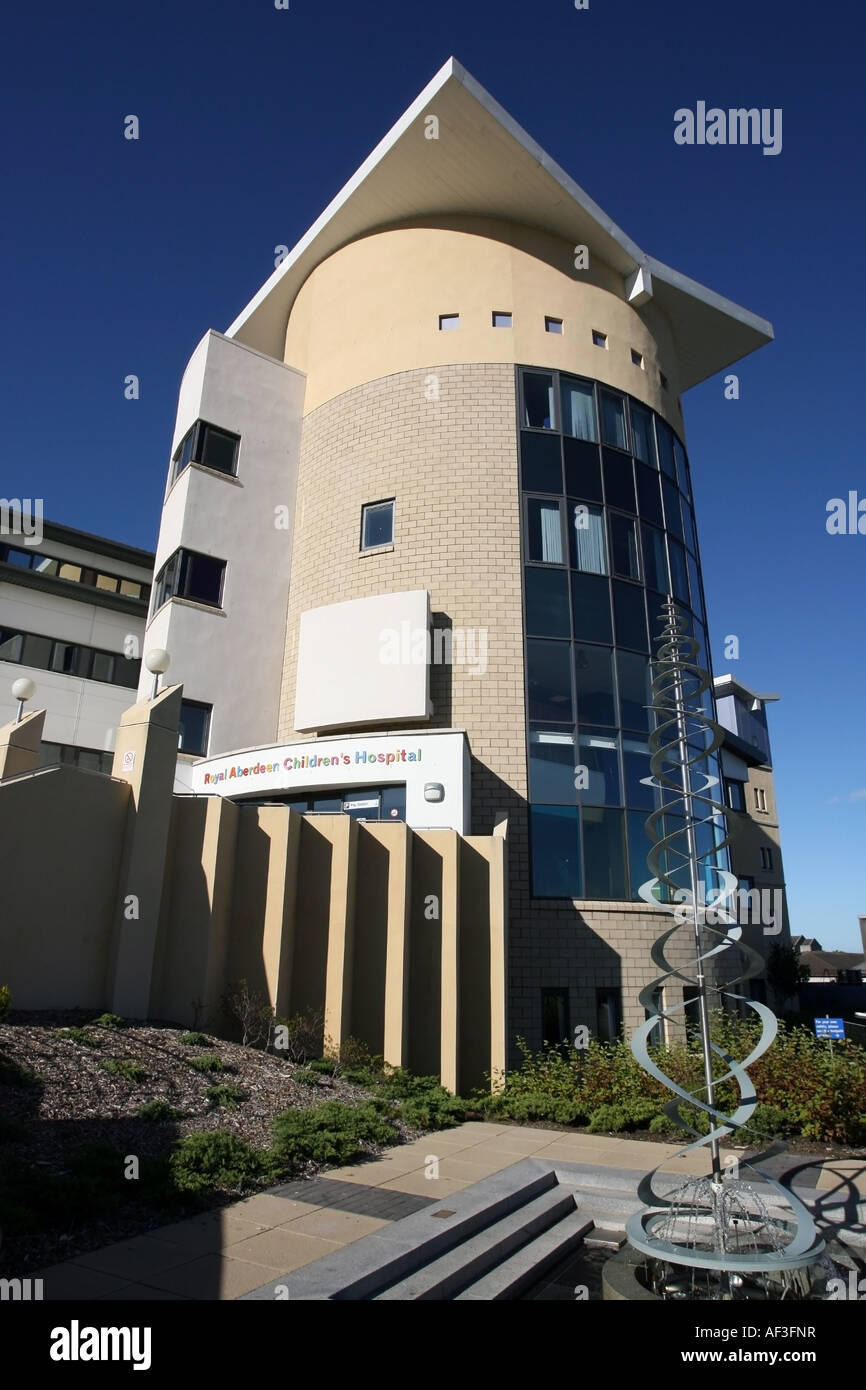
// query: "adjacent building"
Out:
[72,616]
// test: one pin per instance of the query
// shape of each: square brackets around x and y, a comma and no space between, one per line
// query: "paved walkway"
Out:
[225,1254]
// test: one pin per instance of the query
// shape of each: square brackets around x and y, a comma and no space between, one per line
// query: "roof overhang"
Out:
[731,685]
[485,165]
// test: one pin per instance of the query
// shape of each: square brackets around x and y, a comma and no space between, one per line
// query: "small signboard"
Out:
[830,1028]
[128,760]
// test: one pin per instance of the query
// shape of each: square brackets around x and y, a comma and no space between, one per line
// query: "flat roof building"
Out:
[426,498]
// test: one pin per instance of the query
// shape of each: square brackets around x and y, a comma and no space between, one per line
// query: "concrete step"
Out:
[527,1265]
[442,1278]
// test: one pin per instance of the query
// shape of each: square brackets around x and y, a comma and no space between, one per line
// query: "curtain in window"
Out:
[578,410]
[551,534]
[589,540]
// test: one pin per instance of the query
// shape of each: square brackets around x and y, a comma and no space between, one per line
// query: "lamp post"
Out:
[157,662]
[23,689]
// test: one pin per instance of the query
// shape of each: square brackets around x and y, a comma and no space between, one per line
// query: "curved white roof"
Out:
[484,164]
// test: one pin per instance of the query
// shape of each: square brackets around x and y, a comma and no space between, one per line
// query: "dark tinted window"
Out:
[582,470]
[655,559]
[618,481]
[649,497]
[613,425]
[539,410]
[623,546]
[603,852]
[629,616]
[665,437]
[593,675]
[597,751]
[590,596]
[544,531]
[643,439]
[549,679]
[547,613]
[555,852]
[541,466]
[194,727]
[673,518]
[551,766]
[634,689]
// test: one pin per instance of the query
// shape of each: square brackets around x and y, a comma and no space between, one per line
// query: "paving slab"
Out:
[282,1248]
[135,1259]
[343,1226]
[215,1277]
[73,1281]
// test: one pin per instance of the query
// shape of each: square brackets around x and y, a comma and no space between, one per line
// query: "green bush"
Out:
[5,1002]
[213,1160]
[195,1039]
[226,1096]
[606,1119]
[663,1124]
[326,1066]
[307,1077]
[421,1102]
[157,1110]
[80,1036]
[328,1133]
[768,1121]
[108,1021]
[130,1071]
[208,1064]
[12,1074]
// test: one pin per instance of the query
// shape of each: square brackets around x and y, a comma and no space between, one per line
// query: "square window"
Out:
[501,319]
[37,651]
[65,658]
[637,358]
[219,449]
[448,321]
[102,668]
[22,558]
[599,339]
[552,325]
[71,572]
[11,644]
[377,525]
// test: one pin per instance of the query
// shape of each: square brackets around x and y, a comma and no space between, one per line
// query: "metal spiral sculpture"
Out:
[688,883]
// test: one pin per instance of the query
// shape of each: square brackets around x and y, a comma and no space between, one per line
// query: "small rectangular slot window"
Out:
[599,339]
[637,358]
[447,321]
[552,325]
[501,319]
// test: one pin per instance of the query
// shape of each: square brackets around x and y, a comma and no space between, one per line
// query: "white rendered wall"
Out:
[81,712]
[236,520]
[364,661]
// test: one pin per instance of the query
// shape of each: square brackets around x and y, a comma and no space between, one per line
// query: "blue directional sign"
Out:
[830,1027]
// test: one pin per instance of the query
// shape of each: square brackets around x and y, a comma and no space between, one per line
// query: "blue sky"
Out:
[118,255]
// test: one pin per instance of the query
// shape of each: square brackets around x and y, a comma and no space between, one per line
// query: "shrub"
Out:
[663,1124]
[130,1071]
[325,1066]
[421,1102]
[5,1002]
[208,1064]
[328,1133]
[11,1074]
[606,1119]
[80,1036]
[768,1121]
[195,1040]
[226,1096]
[299,1038]
[108,1021]
[157,1110]
[307,1077]
[251,1009]
[212,1160]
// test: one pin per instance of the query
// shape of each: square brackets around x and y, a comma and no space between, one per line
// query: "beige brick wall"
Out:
[451,464]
